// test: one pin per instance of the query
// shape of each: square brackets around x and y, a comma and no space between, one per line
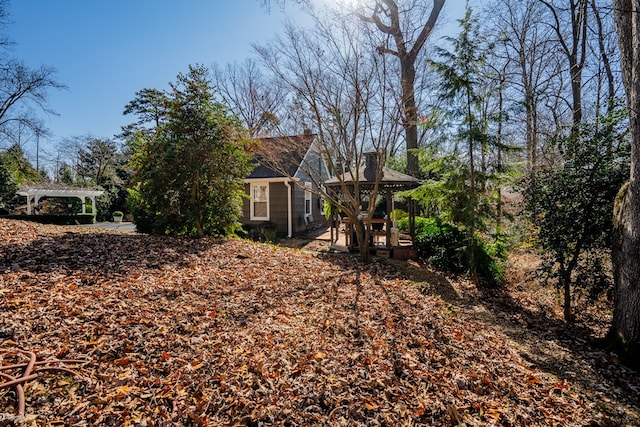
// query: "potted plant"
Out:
[117,216]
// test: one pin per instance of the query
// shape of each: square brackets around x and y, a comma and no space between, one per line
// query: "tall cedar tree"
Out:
[460,83]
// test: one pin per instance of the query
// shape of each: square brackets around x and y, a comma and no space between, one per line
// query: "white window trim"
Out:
[252,186]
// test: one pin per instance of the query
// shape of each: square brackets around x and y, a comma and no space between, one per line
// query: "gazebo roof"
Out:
[391,179]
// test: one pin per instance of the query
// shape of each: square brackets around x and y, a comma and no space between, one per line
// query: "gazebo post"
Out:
[412,220]
[332,220]
[389,197]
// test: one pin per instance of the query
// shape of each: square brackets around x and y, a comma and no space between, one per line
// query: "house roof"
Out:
[281,156]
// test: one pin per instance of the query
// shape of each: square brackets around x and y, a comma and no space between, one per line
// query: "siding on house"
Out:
[277,207]
[297,149]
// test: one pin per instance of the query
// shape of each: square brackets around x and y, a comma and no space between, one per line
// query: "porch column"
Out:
[289,210]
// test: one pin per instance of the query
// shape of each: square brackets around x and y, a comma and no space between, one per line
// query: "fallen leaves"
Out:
[228,332]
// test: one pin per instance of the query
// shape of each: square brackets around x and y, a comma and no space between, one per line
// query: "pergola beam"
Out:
[36,194]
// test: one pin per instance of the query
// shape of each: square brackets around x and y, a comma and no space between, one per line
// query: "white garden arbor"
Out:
[35,194]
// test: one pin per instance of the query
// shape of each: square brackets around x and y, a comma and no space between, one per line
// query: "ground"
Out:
[158,331]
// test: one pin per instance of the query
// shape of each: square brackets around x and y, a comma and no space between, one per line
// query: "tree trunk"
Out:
[410,114]
[624,335]
[363,241]
[386,16]
[566,304]
[625,331]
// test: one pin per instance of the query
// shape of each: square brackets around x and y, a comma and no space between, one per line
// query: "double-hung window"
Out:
[260,202]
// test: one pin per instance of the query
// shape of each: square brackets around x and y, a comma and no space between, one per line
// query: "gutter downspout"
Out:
[289,211]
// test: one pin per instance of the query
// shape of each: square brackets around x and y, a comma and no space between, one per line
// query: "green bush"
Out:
[445,246]
[398,215]
[423,225]
[442,245]
[265,232]
[490,261]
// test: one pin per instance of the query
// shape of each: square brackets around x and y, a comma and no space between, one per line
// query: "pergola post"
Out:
[28,205]
[93,206]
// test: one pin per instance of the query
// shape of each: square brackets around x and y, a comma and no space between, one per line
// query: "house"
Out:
[280,187]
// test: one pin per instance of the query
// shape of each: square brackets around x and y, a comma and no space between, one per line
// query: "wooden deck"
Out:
[341,242]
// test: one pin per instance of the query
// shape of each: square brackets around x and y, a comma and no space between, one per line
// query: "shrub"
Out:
[423,225]
[442,245]
[398,215]
[490,261]
[265,232]
[445,246]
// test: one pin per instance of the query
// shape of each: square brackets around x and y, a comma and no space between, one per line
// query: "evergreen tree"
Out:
[460,84]
[8,184]
[190,168]
[15,171]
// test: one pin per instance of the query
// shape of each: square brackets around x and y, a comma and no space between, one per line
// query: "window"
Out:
[260,202]
[307,199]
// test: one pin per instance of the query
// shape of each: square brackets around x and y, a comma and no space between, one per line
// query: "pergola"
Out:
[390,183]
[35,194]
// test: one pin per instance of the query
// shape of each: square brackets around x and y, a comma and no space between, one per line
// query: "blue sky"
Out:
[105,51]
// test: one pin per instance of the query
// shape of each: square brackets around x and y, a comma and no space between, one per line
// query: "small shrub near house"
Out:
[266,232]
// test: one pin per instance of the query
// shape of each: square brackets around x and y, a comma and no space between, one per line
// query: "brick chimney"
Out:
[370,165]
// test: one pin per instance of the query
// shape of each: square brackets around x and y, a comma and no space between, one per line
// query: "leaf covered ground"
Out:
[226,332]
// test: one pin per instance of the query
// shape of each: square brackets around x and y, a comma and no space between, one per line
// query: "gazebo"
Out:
[390,182]
[35,194]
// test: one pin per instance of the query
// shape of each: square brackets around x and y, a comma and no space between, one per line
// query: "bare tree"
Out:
[604,54]
[573,45]
[23,93]
[21,88]
[341,89]
[256,100]
[408,30]
[525,45]
[625,331]
[563,67]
